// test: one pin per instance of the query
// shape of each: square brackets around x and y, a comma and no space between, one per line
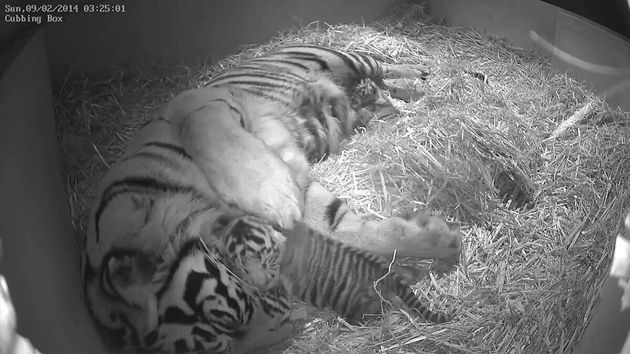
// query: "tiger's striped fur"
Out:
[328,273]
[182,297]
[236,150]
[359,77]
[276,140]
[285,70]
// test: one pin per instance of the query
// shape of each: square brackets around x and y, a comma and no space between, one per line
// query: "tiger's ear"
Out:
[129,276]
[224,220]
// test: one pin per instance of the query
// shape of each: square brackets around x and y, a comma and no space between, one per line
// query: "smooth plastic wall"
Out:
[575,35]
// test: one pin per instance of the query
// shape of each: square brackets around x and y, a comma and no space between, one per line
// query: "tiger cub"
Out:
[251,249]
[319,270]
[370,102]
[327,273]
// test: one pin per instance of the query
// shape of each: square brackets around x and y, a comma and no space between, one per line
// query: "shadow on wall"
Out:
[40,260]
[613,14]
[173,31]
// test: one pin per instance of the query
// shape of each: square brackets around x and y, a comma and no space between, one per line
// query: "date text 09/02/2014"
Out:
[54,13]
[61,9]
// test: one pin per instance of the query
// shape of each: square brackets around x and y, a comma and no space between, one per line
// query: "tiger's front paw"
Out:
[408,90]
[263,339]
[419,236]
[431,237]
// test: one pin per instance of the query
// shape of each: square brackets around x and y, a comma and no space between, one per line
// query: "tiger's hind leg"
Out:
[418,236]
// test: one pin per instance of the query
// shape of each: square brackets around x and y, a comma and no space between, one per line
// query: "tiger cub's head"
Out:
[369,101]
[252,249]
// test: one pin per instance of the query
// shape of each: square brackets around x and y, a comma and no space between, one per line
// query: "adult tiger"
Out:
[237,147]
[261,189]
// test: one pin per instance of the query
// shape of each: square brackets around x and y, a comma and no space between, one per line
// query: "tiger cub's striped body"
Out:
[327,273]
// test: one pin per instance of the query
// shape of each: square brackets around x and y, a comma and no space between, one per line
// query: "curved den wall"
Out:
[585,40]
[40,259]
[573,34]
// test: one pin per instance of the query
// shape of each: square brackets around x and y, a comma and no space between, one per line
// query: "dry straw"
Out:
[527,280]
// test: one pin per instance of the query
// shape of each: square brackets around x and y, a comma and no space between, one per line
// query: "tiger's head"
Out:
[161,282]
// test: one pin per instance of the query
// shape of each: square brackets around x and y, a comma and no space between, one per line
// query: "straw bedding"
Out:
[527,279]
